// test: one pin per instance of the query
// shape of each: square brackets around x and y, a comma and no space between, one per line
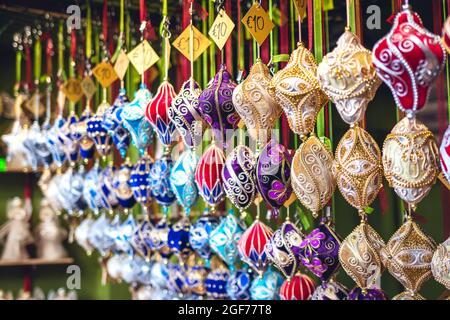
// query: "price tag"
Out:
[258,23]
[88,86]
[221,29]
[72,90]
[143,57]
[301,7]
[105,74]
[200,43]
[121,64]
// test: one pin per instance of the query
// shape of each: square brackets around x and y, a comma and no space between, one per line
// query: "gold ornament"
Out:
[408,296]
[440,264]
[359,255]
[311,174]
[407,256]
[411,160]
[255,105]
[297,91]
[348,77]
[357,168]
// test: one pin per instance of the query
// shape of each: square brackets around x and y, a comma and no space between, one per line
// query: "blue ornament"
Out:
[224,238]
[97,132]
[71,137]
[159,275]
[113,123]
[134,119]
[91,192]
[177,279]
[55,144]
[139,239]
[182,179]
[107,195]
[266,287]
[159,181]
[122,187]
[124,236]
[140,181]
[238,285]
[87,146]
[199,235]
[216,283]
[178,238]
[195,280]
[158,238]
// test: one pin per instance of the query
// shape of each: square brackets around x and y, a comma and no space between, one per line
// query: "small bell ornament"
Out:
[255,105]
[97,132]
[300,287]
[408,59]
[440,264]
[445,154]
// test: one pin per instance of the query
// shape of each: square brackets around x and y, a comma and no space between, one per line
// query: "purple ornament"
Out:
[319,251]
[273,173]
[367,294]
[216,105]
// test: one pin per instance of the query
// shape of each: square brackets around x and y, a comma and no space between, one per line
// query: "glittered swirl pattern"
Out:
[357,168]
[122,187]
[157,113]
[283,249]
[178,238]
[273,174]
[359,255]
[182,179]
[252,245]
[160,187]
[299,287]
[296,89]
[348,77]
[137,241]
[312,178]
[239,180]
[134,119]
[440,264]
[445,154]
[113,123]
[200,233]
[367,294]
[216,105]
[97,132]
[266,287]
[330,290]
[255,105]
[411,160]
[185,114]
[407,256]
[140,181]
[238,285]
[319,252]
[408,59]
[208,175]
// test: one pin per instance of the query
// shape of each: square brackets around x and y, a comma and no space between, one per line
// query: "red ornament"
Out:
[208,175]
[446,35]
[301,287]
[408,59]
[252,245]
[157,112]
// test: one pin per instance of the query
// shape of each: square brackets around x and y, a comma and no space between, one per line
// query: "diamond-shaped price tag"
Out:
[221,29]
[121,64]
[88,86]
[105,74]
[200,43]
[258,23]
[143,57]
[72,90]
[301,7]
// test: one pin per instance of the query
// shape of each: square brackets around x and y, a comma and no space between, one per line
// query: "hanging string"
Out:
[212,49]
[191,45]
[37,73]
[165,33]
[204,54]
[229,44]
[318,52]
[28,76]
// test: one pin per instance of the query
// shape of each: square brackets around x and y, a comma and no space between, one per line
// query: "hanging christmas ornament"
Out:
[87,145]
[255,105]
[200,233]
[407,256]
[283,249]
[81,235]
[178,238]
[139,239]
[300,287]
[239,180]
[238,285]
[440,264]
[267,286]
[411,160]
[367,294]
[91,188]
[140,181]
[312,178]
[122,187]
[330,290]
[159,237]
[224,238]
[108,197]
[296,89]
[445,154]
[216,283]
[195,280]
[273,175]
[216,106]
[208,175]
[160,187]
[70,190]
[55,144]
[177,279]
[408,59]
[97,132]
[182,179]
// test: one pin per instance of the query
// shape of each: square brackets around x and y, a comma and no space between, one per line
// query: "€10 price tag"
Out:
[105,74]
[72,90]
[221,29]
[258,23]
[199,43]
[143,57]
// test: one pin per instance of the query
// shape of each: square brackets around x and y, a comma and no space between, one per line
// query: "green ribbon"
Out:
[37,60]
[212,48]
[318,52]
[88,29]
[61,71]
[205,77]
[18,67]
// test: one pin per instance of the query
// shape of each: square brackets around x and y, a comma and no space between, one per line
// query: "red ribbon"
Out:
[284,30]
[228,45]
[73,45]
[310,25]
[49,54]
[265,46]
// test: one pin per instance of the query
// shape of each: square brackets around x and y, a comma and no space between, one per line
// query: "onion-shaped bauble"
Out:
[238,176]
[216,105]
[159,181]
[216,283]
[157,113]
[255,105]
[140,181]
[182,179]
[330,290]
[238,285]
[200,233]
[408,59]
[283,249]
[267,286]
[122,187]
[299,287]
[273,174]
[296,89]
[357,168]
[185,114]
[208,175]
[252,245]
[113,123]
[312,177]
[445,154]
[178,238]
[367,294]
[440,264]
[348,77]
[97,132]
[411,160]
